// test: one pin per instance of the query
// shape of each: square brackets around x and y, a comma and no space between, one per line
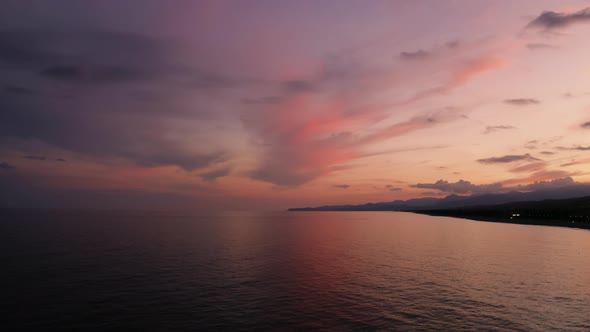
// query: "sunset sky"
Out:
[269,104]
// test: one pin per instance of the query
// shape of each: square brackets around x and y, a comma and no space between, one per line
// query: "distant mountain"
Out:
[456,201]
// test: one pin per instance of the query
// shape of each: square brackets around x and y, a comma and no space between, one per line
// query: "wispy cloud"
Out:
[215,174]
[342,186]
[31,157]
[521,101]
[416,55]
[507,159]
[575,162]
[491,129]
[392,188]
[532,167]
[540,46]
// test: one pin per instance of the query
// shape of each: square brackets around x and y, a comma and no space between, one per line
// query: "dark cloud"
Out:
[98,56]
[206,80]
[585,125]
[521,101]
[551,184]
[35,157]
[183,159]
[540,46]
[552,20]
[89,130]
[459,187]
[342,186]
[560,180]
[417,55]
[491,129]
[5,166]
[507,159]
[393,188]
[265,100]
[299,86]
[215,174]
[18,90]
[103,122]
[41,158]
[453,44]
[548,153]
[94,73]
[42,48]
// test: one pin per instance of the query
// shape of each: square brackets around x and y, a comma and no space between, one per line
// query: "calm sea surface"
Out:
[338,271]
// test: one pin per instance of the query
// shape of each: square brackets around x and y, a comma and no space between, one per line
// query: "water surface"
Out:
[290,271]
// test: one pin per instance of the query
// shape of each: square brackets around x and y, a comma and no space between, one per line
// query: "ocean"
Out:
[289,271]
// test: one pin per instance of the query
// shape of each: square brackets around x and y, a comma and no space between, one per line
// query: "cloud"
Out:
[551,184]
[471,68]
[91,113]
[6,166]
[461,73]
[183,159]
[392,188]
[521,101]
[263,101]
[537,181]
[553,20]
[61,160]
[507,159]
[576,162]
[18,90]
[574,148]
[532,167]
[540,46]
[35,157]
[548,153]
[215,174]
[417,55]
[95,56]
[459,187]
[94,73]
[299,86]
[342,186]
[418,122]
[491,129]
[585,125]
[543,175]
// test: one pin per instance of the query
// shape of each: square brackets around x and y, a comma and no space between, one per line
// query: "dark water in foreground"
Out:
[335,271]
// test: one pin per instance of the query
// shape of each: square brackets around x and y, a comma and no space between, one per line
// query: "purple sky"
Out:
[271,104]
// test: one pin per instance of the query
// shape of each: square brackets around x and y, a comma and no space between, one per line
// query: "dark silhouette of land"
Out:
[534,208]
[572,212]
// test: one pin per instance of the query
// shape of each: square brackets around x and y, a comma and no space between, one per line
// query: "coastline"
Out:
[516,221]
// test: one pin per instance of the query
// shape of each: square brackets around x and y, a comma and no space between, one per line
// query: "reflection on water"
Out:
[292,271]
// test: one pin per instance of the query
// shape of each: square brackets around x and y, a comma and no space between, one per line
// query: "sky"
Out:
[273,104]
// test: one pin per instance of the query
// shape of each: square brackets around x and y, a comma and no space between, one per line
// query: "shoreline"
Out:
[518,221]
